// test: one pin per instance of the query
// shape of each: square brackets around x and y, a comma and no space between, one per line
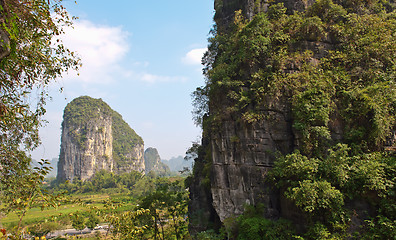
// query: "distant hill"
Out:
[177,164]
[152,162]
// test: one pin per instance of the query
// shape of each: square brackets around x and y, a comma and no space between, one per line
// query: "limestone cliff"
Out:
[250,120]
[152,161]
[243,153]
[94,137]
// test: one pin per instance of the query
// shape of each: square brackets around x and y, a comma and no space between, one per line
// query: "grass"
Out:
[86,202]
[35,215]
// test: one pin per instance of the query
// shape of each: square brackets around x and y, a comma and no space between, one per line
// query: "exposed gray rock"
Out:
[152,161]
[82,160]
[134,160]
[242,155]
[94,137]
[201,213]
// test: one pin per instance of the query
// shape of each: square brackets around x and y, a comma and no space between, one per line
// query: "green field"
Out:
[85,203]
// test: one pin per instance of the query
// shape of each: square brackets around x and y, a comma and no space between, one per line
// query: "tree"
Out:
[78,221]
[92,220]
[168,208]
[161,214]
[129,224]
[43,228]
[31,56]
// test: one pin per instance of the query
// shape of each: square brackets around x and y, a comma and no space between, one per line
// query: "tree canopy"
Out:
[31,56]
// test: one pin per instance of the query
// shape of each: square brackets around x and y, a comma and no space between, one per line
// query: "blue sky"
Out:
[143,59]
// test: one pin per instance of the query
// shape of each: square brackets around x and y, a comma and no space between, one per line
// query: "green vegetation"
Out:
[84,111]
[252,225]
[104,182]
[161,214]
[30,58]
[320,188]
[334,64]
[137,206]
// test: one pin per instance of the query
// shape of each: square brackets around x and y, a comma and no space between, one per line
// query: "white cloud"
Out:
[152,78]
[194,56]
[103,51]
[100,47]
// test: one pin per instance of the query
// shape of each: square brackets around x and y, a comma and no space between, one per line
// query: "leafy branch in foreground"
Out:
[31,57]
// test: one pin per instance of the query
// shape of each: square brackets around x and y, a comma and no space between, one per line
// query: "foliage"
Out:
[334,67]
[320,187]
[78,221]
[159,215]
[103,181]
[33,58]
[266,58]
[43,228]
[92,221]
[316,196]
[25,192]
[128,225]
[209,235]
[252,225]
[127,212]
[168,209]
[261,228]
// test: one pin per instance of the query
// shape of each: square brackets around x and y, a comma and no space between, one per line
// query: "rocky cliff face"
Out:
[91,141]
[82,159]
[242,155]
[239,153]
[152,161]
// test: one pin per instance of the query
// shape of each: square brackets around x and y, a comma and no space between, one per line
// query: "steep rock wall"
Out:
[95,137]
[82,159]
[152,161]
[242,155]
[249,123]
[133,160]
